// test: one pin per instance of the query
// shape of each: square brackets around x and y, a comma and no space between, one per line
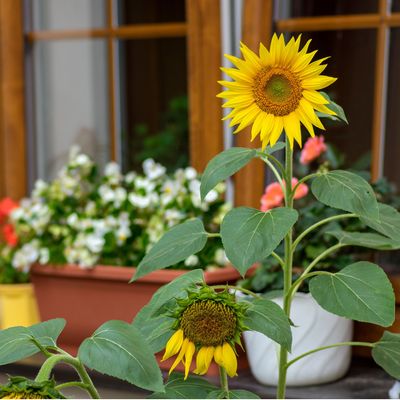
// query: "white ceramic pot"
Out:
[314,327]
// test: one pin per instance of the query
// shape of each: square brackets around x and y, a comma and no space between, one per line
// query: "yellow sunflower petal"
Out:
[312,70]
[218,356]
[314,97]
[188,357]
[324,109]
[291,124]
[267,127]
[317,82]
[174,344]
[239,101]
[250,56]
[257,125]
[309,112]
[241,64]
[180,355]
[265,57]
[237,75]
[302,61]
[276,131]
[203,360]
[305,121]
[229,360]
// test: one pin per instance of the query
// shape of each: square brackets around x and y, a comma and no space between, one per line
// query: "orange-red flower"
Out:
[313,148]
[10,236]
[6,206]
[273,195]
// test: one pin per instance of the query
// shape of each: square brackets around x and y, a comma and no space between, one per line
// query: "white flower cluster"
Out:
[84,219]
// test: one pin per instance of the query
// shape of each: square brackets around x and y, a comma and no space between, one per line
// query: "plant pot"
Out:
[18,305]
[314,327]
[87,298]
[365,332]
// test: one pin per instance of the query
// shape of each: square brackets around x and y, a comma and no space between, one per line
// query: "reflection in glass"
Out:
[71,102]
[154,102]
[68,14]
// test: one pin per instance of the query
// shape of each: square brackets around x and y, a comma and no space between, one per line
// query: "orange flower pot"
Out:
[87,298]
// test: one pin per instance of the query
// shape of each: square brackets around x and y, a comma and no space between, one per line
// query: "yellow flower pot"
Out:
[18,306]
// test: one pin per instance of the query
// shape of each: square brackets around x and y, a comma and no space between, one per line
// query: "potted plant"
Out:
[89,231]
[17,300]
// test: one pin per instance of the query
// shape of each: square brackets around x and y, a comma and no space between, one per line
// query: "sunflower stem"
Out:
[223,377]
[287,270]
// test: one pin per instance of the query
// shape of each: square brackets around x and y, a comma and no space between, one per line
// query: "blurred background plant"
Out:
[84,218]
[318,156]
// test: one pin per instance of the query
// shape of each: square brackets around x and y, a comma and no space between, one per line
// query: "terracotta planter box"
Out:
[88,298]
[364,332]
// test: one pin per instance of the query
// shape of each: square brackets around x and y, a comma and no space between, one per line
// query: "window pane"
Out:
[352,55]
[392,145]
[68,14]
[71,102]
[309,8]
[154,102]
[396,6]
[151,11]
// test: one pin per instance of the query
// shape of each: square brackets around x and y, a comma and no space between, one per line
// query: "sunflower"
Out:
[210,323]
[276,90]
[19,387]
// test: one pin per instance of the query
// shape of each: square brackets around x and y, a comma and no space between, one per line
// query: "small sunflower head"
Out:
[19,387]
[211,323]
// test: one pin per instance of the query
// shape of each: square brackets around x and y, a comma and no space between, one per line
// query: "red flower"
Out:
[313,148]
[273,196]
[6,206]
[9,235]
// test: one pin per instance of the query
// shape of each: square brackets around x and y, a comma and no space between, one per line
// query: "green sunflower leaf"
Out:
[388,222]
[18,342]
[118,349]
[346,191]
[191,388]
[360,291]
[340,114]
[365,239]
[276,147]
[268,318]
[233,394]
[176,245]
[386,353]
[250,235]
[223,165]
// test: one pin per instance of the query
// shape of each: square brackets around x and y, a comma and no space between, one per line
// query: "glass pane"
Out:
[71,102]
[392,143]
[154,102]
[68,14]
[351,52]
[151,11]
[396,5]
[309,8]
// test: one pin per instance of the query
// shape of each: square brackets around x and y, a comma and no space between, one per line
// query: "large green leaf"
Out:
[191,388]
[223,165]
[346,191]
[118,349]
[176,245]
[268,318]
[386,353]
[276,147]
[388,223]
[17,343]
[360,291]
[340,114]
[250,235]
[365,239]
[233,394]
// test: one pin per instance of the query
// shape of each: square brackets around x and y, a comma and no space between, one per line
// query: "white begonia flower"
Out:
[26,256]
[144,183]
[90,208]
[82,160]
[179,175]
[17,214]
[139,201]
[122,234]
[40,187]
[120,196]
[173,216]
[73,221]
[130,177]
[110,222]
[44,255]
[152,169]
[100,227]
[107,194]
[194,187]
[112,168]
[170,191]
[68,185]
[190,173]
[95,243]
[220,257]
[211,196]
[192,261]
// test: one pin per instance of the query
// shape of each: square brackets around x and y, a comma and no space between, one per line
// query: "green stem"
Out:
[302,278]
[211,235]
[41,348]
[274,170]
[287,270]
[223,377]
[71,384]
[318,224]
[365,344]
[246,291]
[278,258]
[49,364]
[302,180]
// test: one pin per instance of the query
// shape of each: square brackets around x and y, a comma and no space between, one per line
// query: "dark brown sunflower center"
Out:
[277,91]
[207,323]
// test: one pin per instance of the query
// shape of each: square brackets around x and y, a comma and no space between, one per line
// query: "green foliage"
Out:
[223,165]
[177,244]
[366,239]
[340,114]
[18,342]
[250,235]
[346,191]
[360,291]
[118,349]
[232,394]
[268,318]
[386,353]
[191,388]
